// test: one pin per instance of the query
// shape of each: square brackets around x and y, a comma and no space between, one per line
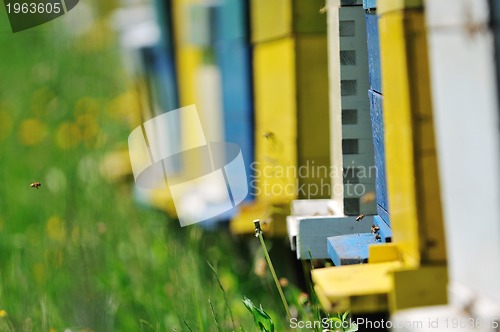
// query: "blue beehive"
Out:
[233,54]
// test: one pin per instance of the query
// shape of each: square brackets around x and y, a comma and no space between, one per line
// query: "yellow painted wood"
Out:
[385,6]
[383,252]
[270,19]
[424,286]
[291,119]
[399,135]
[188,60]
[281,18]
[360,288]
[312,96]
[313,129]
[291,107]
[356,304]
[275,121]
[412,178]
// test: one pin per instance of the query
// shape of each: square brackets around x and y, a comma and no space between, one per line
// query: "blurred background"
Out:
[79,253]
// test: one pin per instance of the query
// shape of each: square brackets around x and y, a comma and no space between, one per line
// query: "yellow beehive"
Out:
[411,161]
[291,106]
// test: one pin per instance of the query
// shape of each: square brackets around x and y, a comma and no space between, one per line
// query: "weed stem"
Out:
[258,233]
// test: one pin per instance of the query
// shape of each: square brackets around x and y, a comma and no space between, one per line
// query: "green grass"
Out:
[79,252]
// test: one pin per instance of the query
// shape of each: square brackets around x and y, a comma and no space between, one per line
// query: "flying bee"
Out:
[360,217]
[377,237]
[35,185]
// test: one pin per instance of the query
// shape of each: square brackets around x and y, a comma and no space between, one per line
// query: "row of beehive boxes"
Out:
[259,74]
[299,89]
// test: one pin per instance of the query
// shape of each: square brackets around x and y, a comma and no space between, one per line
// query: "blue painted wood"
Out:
[383,214]
[350,249]
[233,59]
[372,38]
[231,20]
[368,4]
[376,114]
[160,59]
[159,68]
[385,231]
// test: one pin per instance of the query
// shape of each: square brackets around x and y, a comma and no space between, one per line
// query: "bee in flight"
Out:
[35,185]
[360,217]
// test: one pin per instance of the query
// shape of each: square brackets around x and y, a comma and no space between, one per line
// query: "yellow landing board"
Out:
[424,286]
[359,288]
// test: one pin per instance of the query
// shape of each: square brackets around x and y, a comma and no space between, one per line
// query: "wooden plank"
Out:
[312,96]
[426,285]
[308,207]
[377,121]
[372,38]
[233,57]
[313,139]
[387,6]
[231,20]
[360,288]
[307,16]
[290,95]
[350,249]
[383,252]
[468,141]
[336,118]
[275,120]
[314,207]
[314,231]
[234,60]
[283,18]
[384,214]
[398,134]
[350,130]
[368,4]
[415,216]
